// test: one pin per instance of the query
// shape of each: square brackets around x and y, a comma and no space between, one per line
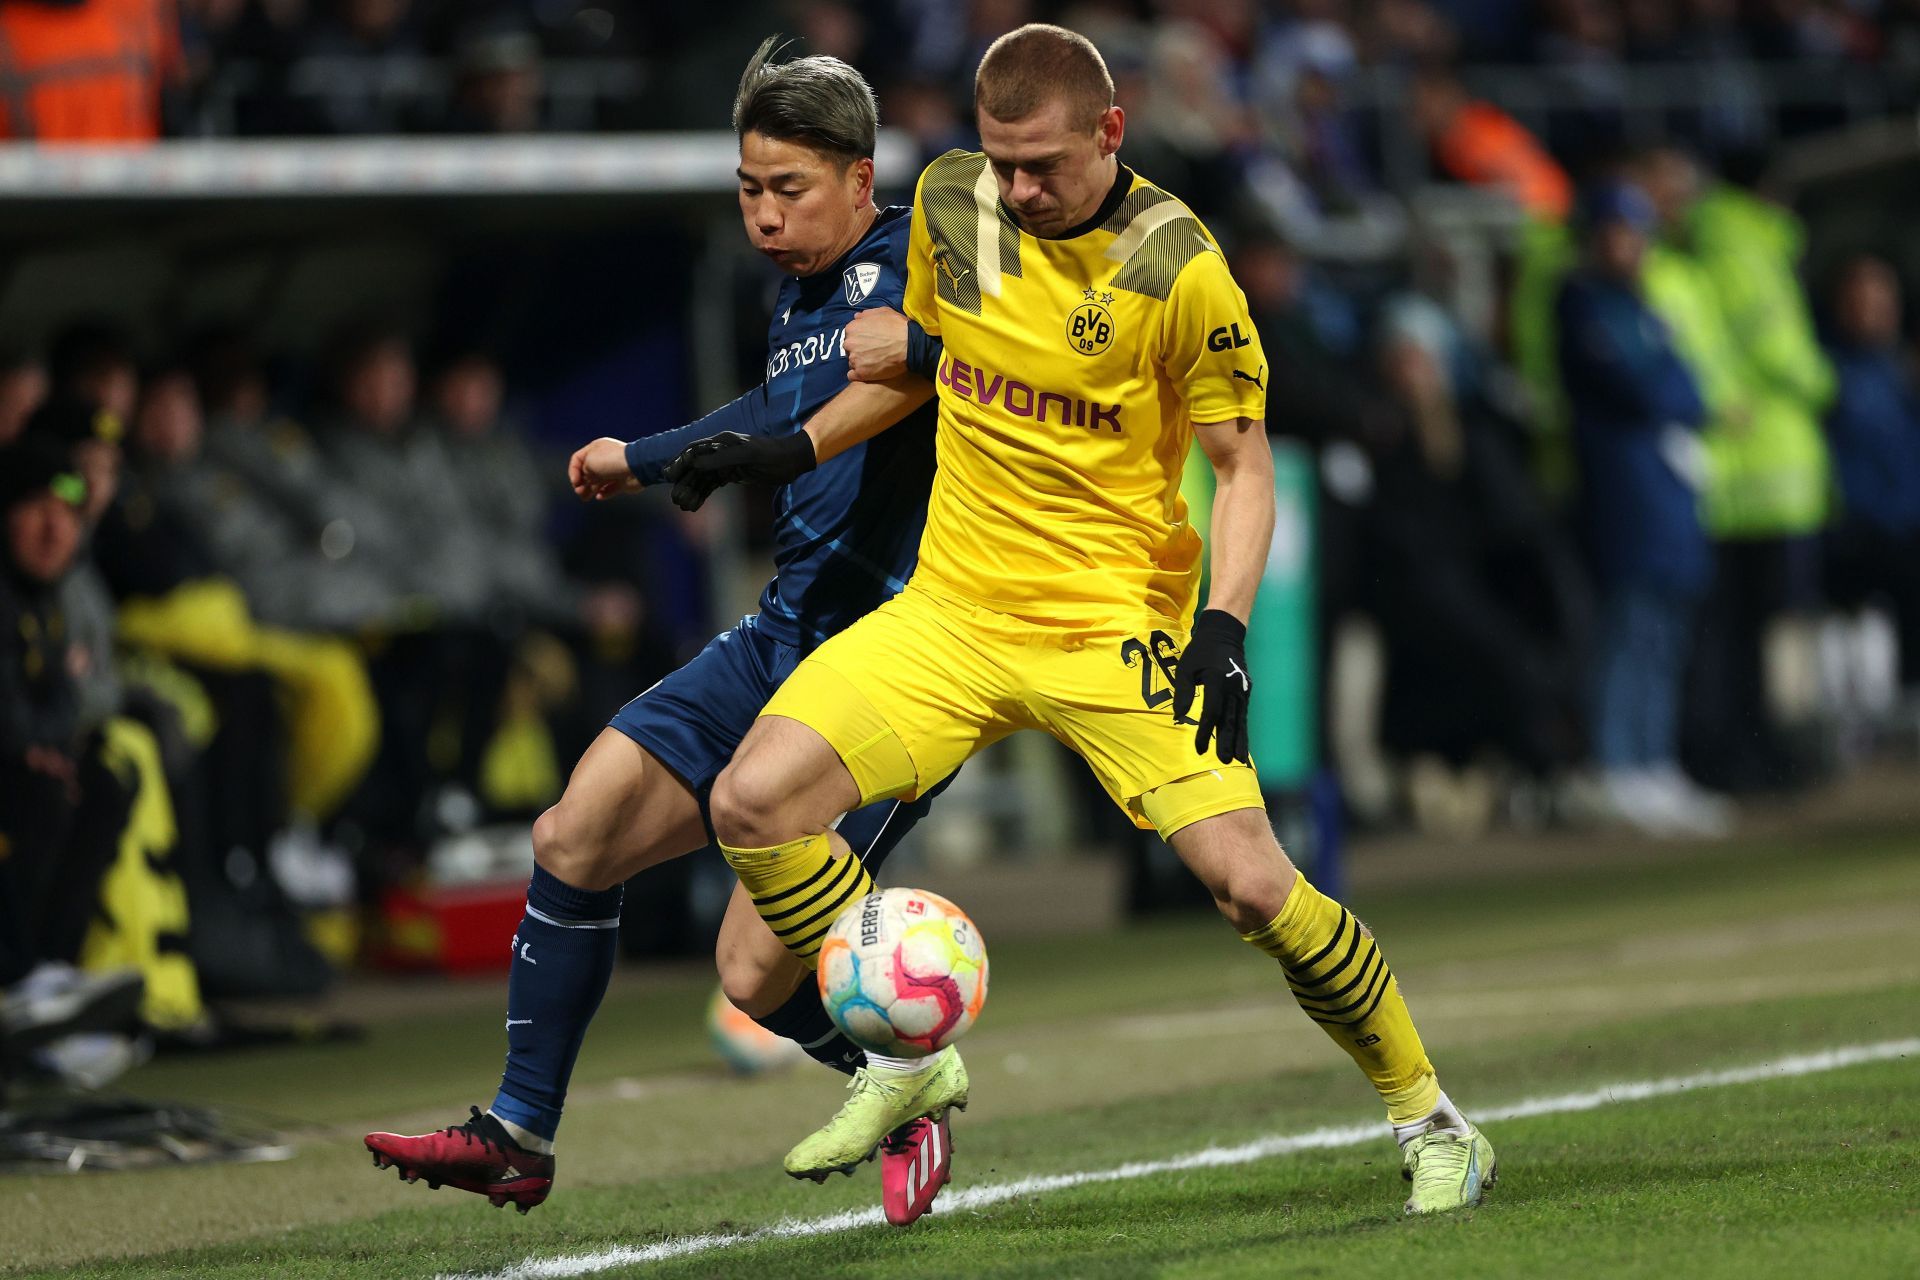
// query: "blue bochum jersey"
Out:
[845,534]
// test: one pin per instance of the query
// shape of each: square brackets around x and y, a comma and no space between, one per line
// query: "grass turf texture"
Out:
[1177,1037]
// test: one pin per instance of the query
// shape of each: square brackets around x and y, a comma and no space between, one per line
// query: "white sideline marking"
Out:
[1352,1135]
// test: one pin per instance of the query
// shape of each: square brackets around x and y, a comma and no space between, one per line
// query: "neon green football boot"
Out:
[881,1102]
[1448,1170]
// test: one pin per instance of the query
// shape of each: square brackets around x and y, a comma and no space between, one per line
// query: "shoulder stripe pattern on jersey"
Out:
[1151,220]
[986,203]
[1155,237]
[974,246]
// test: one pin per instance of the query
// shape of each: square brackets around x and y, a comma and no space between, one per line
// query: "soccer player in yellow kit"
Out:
[1092,331]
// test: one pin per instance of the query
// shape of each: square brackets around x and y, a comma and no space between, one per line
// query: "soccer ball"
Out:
[744,1044]
[903,972]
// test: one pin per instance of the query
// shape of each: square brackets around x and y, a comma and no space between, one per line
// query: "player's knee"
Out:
[1253,892]
[571,850]
[748,808]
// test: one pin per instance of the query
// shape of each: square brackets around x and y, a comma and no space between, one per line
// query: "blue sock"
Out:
[803,1020]
[562,958]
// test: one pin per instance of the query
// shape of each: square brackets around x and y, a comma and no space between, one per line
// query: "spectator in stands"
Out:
[92,360]
[1652,29]
[497,81]
[1301,83]
[286,723]
[23,385]
[87,70]
[449,657]
[361,59]
[279,520]
[376,446]
[1724,277]
[1582,48]
[928,114]
[1750,248]
[155,588]
[1717,56]
[62,807]
[1636,412]
[1310,332]
[1306,33]
[150,722]
[1477,143]
[832,28]
[168,551]
[1405,33]
[1873,549]
[507,492]
[1192,131]
[578,634]
[41,495]
[1481,599]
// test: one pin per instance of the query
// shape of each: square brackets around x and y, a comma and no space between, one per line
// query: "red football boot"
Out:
[916,1160]
[477,1156]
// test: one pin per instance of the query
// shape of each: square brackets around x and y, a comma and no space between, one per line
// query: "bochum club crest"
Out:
[860,279]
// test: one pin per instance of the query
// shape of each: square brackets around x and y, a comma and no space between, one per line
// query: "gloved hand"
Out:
[1215,663]
[732,458]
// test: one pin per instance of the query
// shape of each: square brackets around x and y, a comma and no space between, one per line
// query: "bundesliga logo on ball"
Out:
[903,972]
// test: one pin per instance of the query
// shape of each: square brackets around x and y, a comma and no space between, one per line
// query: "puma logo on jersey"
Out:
[1255,379]
[944,261]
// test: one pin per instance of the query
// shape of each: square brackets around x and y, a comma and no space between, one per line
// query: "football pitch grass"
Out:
[1104,1063]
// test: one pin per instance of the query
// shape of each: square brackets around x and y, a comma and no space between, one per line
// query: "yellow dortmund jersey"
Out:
[1074,371]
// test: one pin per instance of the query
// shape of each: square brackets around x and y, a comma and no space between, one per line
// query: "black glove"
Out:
[1215,663]
[731,458]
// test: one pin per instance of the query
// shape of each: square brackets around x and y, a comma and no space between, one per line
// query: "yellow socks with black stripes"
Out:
[1341,980]
[799,888]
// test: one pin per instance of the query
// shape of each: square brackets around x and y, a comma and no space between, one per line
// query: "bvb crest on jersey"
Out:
[859,280]
[1090,325]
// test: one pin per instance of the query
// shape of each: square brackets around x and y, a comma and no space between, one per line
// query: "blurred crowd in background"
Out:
[1224,76]
[1642,541]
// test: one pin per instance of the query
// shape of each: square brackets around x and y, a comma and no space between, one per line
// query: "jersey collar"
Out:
[883,215]
[1122,183]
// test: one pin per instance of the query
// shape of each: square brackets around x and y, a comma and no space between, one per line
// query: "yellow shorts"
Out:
[907,693]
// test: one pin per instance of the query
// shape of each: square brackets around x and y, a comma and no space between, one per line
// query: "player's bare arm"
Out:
[864,410]
[1243,509]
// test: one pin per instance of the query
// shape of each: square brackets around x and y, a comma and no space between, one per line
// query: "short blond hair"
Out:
[1033,65]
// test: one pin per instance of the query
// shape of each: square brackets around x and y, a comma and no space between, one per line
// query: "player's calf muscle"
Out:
[756,972]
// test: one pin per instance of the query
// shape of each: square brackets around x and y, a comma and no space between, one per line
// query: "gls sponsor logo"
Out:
[983,386]
[1227,338]
[811,349]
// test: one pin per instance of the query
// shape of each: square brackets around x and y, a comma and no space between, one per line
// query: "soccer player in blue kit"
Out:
[846,538]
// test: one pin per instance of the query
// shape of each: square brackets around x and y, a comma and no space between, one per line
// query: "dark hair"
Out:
[1030,66]
[817,102]
[86,348]
[359,340]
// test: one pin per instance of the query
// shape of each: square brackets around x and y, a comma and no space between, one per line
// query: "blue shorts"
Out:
[692,721]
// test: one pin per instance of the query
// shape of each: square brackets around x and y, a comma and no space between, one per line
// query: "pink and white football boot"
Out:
[916,1160]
